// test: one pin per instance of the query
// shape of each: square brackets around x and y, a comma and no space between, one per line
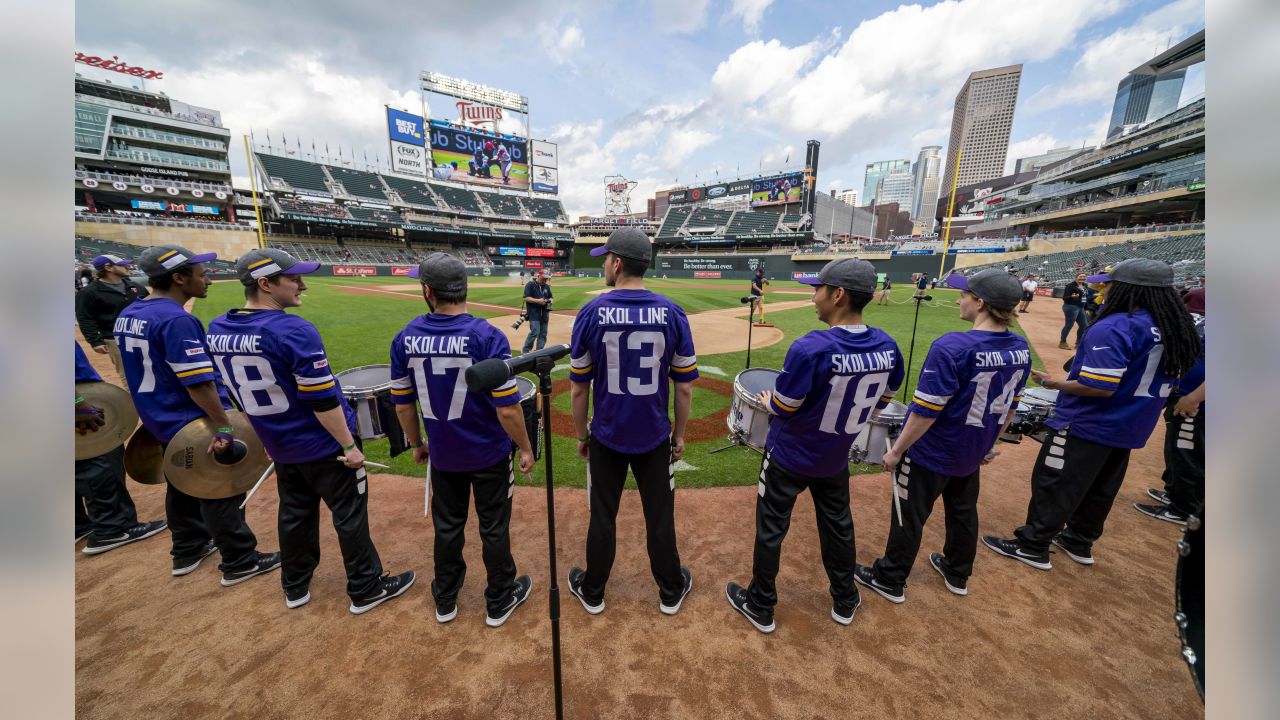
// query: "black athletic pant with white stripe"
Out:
[1184,460]
[1073,485]
[103,505]
[345,491]
[450,496]
[655,479]
[959,501]
[776,495]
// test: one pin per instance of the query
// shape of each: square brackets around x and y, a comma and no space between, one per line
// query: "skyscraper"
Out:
[896,186]
[848,197]
[875,171]
[928,177]
[980,125]
[1153,89]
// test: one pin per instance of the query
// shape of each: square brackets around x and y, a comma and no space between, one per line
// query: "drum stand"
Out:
[751,316]
[543,370]
[912,351]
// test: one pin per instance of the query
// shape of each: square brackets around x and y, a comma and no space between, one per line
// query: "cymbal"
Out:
[143,455]
[118,412]
[194,471]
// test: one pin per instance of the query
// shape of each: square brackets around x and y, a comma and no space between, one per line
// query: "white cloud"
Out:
[1105,61]
[758,69]
[571,39]
[680,16]
[1037,145]
[751,12]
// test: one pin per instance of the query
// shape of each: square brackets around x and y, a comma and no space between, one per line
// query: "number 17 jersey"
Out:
[629,343]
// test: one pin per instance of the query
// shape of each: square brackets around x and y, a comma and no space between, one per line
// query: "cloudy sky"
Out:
[660,91]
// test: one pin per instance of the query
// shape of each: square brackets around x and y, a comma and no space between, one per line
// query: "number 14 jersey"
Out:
[629,342]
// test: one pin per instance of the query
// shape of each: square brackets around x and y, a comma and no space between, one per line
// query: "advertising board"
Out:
[533,263]
[709,192]
[515,251]
[776,189]
[544,154]
[401,271]
[478,156]
[360,270]
[405,128]
[540,252]
[707,274]
[408,159]
[546,180]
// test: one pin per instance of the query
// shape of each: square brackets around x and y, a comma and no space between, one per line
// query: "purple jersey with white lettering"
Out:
[969,382]
[629,342]
[429,360]
[1123,353]
[1195,376]
[830,383]
[85,371]
[273,362]
[164,350]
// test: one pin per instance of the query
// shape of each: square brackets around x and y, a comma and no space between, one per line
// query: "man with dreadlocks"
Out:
[1143,341]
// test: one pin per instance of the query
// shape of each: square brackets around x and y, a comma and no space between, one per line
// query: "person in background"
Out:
[98,305]
[1074,297]
[537,303]
[1029,286]
[885,286]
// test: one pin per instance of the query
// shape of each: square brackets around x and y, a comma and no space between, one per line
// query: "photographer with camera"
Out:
[537,303]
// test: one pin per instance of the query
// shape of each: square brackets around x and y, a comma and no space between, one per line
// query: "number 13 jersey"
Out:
[629,342]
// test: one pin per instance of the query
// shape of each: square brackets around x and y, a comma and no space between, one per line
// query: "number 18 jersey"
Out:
[274,362]
[830,383]
[969,382]
[629,342]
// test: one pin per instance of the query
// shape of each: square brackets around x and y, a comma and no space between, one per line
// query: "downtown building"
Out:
[877,170]
[927,173]
[1153,89]
[896,187]
[980,126]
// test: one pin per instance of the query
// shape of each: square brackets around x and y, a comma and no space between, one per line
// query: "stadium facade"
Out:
[1154,88]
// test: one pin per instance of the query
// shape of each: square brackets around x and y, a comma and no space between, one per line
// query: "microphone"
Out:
[750,299]
[494,372]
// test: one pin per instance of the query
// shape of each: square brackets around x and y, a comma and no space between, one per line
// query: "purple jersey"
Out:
[1122,353]
[164,351]
[831,380]
[85,371]
[969,382]
[273,363]
[429,359]
[1195,376]
[633,340]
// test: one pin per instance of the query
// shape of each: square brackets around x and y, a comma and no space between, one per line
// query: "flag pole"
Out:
[253,190]
[951,208]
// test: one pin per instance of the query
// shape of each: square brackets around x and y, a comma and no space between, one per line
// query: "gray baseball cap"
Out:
[442,272]
[627,242]
[161,259]
[269,262]
[1138,271]
[848,273]
[994,286]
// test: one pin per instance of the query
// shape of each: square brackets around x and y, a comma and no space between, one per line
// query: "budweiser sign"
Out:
[477,115]
[114,64]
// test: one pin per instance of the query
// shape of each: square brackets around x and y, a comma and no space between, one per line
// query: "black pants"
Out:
[1073,484]
[344,491]
[776,496]
[450,493]
[193,522]
[655,479]
[959,501]
[1184,460]
[103,505]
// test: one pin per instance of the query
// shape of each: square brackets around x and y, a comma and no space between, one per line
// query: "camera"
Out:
[520,321]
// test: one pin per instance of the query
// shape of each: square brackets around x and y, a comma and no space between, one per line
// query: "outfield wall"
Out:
[229,243]
[782,267]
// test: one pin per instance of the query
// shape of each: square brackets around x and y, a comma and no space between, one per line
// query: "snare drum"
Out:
[869,446]
[532,416]
[748,420]
[368,389]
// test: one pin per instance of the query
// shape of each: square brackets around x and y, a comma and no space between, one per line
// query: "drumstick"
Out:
[257,485]
[426,500]
[897,502]
[370,463]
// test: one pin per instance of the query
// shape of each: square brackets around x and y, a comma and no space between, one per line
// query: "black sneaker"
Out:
[266,563]
[1076,550]
[576,576]
[762,619]
[138,532]
[843,612]
[1013,549]
[296,598]
[1159,512]
[82,535]
[1159,496]
[866,576]
[674,608]
[955,583]
[188,564]
[521,593]
[446,611]
[392,586]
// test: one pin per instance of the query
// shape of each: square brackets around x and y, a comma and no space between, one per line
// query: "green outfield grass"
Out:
[358,328]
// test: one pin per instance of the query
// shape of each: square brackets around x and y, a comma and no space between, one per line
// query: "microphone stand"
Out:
[912,351]
[543,368]
[751,315]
